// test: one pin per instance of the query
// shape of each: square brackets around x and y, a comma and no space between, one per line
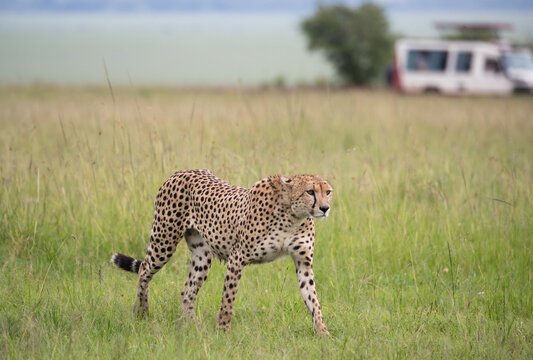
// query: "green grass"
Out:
[427,252]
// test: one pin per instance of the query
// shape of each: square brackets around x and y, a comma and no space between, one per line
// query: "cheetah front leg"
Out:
[231,285]
[303,260]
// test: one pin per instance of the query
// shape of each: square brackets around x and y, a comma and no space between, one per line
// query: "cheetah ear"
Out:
[286,182]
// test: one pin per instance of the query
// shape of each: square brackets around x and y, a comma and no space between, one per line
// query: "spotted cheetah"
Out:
[241,226]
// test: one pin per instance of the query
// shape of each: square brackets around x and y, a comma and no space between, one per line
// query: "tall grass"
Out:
[427,252]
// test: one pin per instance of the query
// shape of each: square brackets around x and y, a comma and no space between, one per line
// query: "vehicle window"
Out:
[518,61]
[492,65]
[427,60]
[464,61]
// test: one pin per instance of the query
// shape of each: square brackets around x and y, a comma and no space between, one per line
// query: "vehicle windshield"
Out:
[518,61]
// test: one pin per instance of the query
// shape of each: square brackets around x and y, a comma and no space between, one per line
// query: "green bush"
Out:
[356,41]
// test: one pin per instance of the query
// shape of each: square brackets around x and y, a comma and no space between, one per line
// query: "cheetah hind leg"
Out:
[200,264]
[157,256]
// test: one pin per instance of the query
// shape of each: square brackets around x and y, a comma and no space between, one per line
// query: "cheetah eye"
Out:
[328,193]
[311,192]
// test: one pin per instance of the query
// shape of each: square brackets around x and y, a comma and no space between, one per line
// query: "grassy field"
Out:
[427,252]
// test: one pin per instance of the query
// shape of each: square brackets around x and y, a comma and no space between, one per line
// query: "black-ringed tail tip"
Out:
[126,263]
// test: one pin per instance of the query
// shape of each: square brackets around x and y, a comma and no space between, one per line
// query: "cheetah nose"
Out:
[324,208]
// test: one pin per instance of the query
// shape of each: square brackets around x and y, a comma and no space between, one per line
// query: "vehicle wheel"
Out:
[431,91]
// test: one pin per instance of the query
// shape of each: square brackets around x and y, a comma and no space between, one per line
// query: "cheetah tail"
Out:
[126,263]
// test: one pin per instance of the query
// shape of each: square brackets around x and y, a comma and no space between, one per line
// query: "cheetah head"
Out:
[309,195]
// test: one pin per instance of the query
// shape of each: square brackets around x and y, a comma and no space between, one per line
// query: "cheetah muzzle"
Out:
[242,226]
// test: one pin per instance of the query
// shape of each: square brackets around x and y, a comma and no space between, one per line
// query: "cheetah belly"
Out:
[220,245]
[271,248]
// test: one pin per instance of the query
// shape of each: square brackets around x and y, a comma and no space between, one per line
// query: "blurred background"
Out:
[220,42]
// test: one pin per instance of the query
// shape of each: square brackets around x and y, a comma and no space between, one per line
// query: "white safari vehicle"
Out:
[450,67]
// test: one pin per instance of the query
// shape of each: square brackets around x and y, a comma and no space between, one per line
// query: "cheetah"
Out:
[240,226]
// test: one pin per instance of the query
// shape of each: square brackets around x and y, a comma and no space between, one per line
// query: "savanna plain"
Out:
[427,252]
